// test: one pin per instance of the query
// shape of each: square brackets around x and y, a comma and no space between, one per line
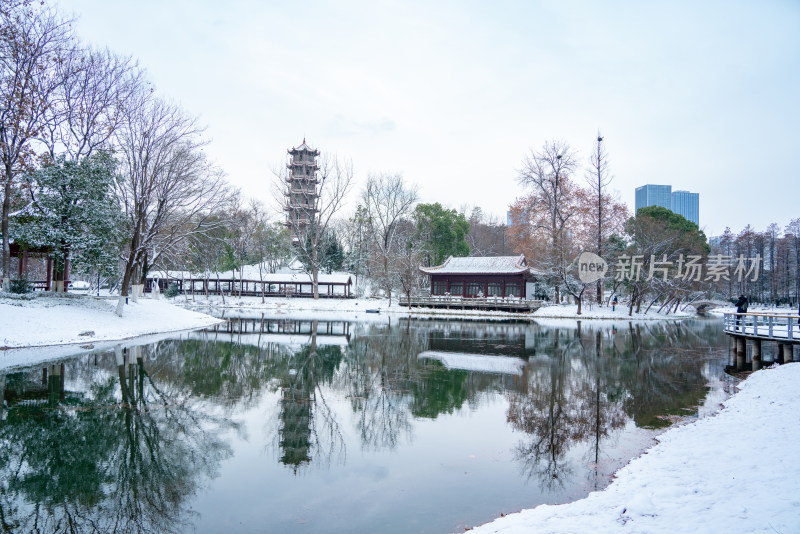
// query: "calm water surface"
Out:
[281,425]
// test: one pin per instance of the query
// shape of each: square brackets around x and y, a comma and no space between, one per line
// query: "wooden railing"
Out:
[485,303]
[251,288]
[779,327]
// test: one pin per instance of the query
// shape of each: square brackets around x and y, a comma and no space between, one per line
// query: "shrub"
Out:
[172,290]
[20,285]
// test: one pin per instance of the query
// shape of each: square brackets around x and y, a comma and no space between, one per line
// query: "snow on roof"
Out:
[482,363]
[251,273]
[302,147]
[480,265]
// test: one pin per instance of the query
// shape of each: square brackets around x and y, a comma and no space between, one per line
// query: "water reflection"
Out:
[120,453]
[123,441]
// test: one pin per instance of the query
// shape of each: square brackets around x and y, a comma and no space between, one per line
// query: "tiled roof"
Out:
[251,275]
[480,265]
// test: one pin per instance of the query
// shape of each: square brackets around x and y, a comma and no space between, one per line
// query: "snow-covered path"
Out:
[735,472]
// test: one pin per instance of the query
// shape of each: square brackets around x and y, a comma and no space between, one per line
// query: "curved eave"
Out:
[428,270]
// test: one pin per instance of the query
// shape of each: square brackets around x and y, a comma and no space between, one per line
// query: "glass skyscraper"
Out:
[654,195]
[681,202]
[687,204]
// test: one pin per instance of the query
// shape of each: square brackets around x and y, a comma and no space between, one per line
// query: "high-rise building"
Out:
[687,204]
[301,193]
[654,195]
[681,202]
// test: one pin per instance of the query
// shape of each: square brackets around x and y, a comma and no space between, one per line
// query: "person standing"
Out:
[741,307]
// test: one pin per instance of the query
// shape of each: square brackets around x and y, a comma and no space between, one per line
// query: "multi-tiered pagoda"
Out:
[301,193]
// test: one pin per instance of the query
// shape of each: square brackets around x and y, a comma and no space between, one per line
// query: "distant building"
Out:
[687,204]
[683,203]
[301,192]
[654,195]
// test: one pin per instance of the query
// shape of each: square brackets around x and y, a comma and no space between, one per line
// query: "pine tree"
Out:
[74,213]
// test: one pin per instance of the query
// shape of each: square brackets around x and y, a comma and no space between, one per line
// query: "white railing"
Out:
[763,325]
[476,302]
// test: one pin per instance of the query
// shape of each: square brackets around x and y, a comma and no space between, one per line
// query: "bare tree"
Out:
[387,201]
[335,178]
[32,41]
[168,189]
[487,235]
[408,259]
[547,214]
[88,104]
[356,236]
[270,244]
[598,179]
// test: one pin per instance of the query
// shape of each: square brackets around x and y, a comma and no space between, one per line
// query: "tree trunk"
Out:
[666,302]
[221,291]
[4,229]
[315,280]
[630,305]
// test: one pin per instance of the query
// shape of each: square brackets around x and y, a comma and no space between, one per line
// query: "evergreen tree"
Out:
[74,213]
[443,232]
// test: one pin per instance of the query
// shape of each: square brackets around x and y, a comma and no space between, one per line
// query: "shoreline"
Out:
[694,478]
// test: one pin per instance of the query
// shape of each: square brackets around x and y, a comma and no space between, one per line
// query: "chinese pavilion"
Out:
[502,276]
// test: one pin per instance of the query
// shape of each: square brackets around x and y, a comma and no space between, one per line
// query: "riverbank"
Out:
[382,305]
[48,319]
[731,472]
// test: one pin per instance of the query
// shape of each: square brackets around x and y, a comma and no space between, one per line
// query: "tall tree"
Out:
[442,232]
[167,188]
[387,200]
[793,235]
[605,214]
[356,235]
[33,39]
[88,105]
[487,235]
[661,240]
[75,214]
[545,219]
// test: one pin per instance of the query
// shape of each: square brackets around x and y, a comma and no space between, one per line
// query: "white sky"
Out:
[453,94]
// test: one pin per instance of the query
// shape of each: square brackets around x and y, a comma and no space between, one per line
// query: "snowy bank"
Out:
[57,320]
[293,305]
[735,471]
[570,311]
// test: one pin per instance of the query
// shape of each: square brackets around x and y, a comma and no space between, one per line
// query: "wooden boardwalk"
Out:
[507,304]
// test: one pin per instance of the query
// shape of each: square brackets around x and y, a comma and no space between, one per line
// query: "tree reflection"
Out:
[380,364]
[121,457]
[129,448]
[591,381]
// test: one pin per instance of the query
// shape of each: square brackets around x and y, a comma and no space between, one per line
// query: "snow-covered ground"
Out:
[295,304]
[736,471]
[604,312]
[58,320]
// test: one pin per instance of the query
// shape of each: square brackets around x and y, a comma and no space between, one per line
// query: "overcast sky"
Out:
[701,95]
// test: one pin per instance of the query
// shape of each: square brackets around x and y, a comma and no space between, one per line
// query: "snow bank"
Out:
[570,311]
[52,320]
[732,472]
[296,304]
